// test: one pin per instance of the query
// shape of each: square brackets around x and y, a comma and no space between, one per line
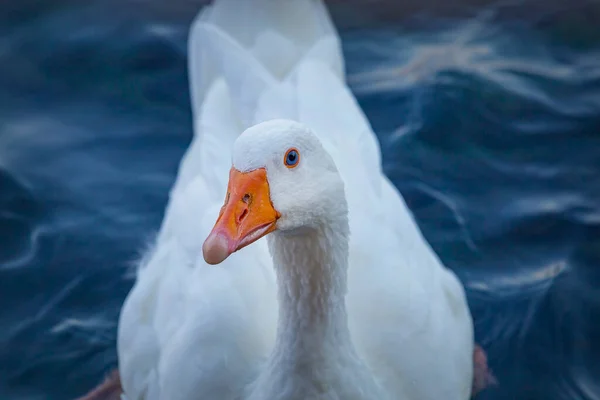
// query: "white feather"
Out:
[189,330]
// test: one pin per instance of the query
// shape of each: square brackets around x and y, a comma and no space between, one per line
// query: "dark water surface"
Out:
[489,124]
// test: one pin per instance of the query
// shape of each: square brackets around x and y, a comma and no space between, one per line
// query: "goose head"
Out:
[282,179]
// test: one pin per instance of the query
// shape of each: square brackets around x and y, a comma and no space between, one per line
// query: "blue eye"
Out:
[291,158]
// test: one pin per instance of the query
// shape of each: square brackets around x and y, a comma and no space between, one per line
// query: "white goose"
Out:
[344,299]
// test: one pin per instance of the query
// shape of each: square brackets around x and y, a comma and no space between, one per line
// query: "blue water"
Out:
[489,125]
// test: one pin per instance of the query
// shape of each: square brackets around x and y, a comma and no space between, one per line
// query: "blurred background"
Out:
[488,115]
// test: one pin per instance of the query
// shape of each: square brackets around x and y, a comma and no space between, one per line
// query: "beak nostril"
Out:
[246,199]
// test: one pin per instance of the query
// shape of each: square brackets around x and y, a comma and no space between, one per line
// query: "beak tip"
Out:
[215,249]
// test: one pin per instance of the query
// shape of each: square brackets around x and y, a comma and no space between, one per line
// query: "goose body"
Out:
[352,307]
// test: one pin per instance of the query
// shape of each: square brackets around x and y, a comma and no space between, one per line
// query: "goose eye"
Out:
[291,158]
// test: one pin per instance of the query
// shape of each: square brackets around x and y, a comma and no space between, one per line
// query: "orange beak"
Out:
[246,216]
